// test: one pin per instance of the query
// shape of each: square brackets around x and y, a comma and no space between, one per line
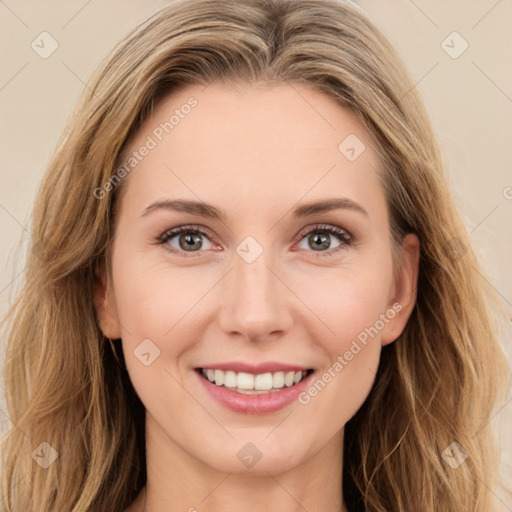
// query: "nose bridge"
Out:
[251,273]
[252,304]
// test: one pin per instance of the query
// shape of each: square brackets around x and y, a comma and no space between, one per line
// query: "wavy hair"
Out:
[67,385]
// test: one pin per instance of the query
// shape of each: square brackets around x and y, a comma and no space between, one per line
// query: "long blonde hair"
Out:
[67,385]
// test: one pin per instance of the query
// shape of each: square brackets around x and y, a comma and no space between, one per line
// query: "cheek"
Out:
[159,309]
[352,353]
[155,307]
[353,316]
[349,305]
[154,300]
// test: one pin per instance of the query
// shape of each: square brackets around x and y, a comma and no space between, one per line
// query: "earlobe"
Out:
[104,306]
[404,298]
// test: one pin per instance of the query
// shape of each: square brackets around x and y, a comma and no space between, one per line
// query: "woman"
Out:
[249,285]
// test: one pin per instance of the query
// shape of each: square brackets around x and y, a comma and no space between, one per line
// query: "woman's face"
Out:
[265,288]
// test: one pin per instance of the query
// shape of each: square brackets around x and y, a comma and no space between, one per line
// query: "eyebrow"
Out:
[209,211]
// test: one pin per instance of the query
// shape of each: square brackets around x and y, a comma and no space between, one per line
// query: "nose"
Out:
[255,300]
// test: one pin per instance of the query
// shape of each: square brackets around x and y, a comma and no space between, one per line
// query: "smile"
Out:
[250,384]
[254,389]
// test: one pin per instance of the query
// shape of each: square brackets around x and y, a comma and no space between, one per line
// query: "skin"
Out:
[256,152]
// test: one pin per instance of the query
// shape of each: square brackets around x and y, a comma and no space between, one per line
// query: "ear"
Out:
[404,297]
[105,306]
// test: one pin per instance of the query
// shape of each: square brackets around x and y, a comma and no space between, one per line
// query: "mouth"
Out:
[254,384]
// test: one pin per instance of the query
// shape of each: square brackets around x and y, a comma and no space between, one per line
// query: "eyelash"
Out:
[344,237]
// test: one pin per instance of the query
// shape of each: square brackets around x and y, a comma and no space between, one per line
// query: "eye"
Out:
[189,239]
[319,239]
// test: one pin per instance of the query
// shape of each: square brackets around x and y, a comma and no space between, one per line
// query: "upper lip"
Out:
[256,369]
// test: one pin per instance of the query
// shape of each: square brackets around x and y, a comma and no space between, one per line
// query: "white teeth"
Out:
[278,380]
[230,379]
[288,380]
[248,383]
[244,380]
[219,377]
[263,382]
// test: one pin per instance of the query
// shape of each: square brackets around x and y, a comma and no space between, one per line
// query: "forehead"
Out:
[279,142]
[272,117]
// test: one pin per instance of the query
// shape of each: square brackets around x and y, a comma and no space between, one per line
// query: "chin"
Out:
[256,458]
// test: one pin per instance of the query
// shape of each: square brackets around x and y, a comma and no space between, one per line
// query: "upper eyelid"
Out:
[184,228]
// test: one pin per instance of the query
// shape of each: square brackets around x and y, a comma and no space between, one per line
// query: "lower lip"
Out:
[255,404]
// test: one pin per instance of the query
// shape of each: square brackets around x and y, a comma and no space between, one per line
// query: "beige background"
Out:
[469,99]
